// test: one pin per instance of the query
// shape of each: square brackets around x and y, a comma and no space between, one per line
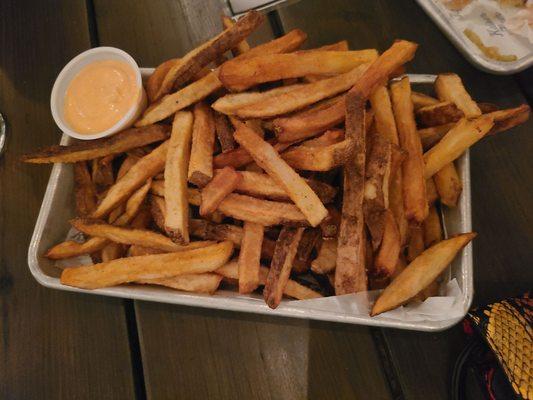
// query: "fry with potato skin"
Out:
[199,57]
[416,242]
[240,157]
[200,169]
[438,114]
[89,149]
[414,183]
[449,87]
[281,265]
[292,288]
[177,160]
[156,78]
[386,258]
[431,191]
[319,158]
[224,133]
[307,243]
[238,75]
[123,235]
[220,186]
[145,168]
[420,273]
[422,100]
[432,228]
[297,189]
[131,269]
[197,283]
[249,257]
[326,259]
[448,185]
[242,46]
[84,190]
[463,135]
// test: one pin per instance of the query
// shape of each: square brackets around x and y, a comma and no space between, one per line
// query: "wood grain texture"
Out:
[52,344]
[501,198]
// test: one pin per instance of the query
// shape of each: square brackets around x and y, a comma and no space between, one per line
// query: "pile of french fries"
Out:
[321,163]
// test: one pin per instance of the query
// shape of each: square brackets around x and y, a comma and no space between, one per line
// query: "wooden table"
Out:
[60,345]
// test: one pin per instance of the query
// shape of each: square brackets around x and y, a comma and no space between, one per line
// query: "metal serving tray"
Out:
[468,49]
[58,207]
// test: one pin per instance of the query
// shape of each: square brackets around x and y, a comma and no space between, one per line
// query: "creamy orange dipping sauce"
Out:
[100,95]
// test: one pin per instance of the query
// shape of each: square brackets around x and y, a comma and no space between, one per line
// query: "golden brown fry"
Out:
[281,265]
[224,133]
[416,242]
[177,160]
[307,243]
[200,170]
[509,118]
[296,96]
[326,259]
[297,189]
[430,136]
[112,251]
[414,184]
[463,135]
[432,228]
[330,137]
[198,283]
[449,87]
[249,257]
[84,190]
[422,100]
[386,258]
[396,205]
[136,250]
[338,46]
[383,115]
[292,288]
[431,192]
[131,269]
[284,44]
[238,75]
[102,174]
[90,149]
[240,157]
[318,158]
[153,84]
[242,46]
[311,122]
[438,114]
[448,185]
[130,236]
[420,273]
[180,100]
[220,186]
[136,177]
[199,57]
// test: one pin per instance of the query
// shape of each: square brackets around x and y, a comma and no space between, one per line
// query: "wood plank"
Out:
[500,166]
[195,353]
[53,344]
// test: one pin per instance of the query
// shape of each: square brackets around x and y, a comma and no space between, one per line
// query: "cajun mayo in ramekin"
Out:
[97,94]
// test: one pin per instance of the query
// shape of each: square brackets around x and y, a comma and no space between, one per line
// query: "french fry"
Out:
[305,248]
[448,185]
[432,135]
[130,236]
[135,251]
[199,57]
[338,46]
[386,258]
[112,251]
[414,184]
[177,160]
[431,191]
[131,269]
[261,185]
[449,87]
[438,114]
[326,259]
[416,242]
[310,122]
[242,46]
[281,265]
[509,118]
[396,205]
[200,170]
[383,115]
[297,189]
[296,96]
[422,100]
[463,135]
[238,75]
[224,133]
[240,157]
[136,177]
[211,231]
[292,288]
[198,283]
[432,228]
[420,273]
[330,225]
[314,158]
[249,257]
[102,174]
[284,44]
[215,191]
[153,84]
[84,190]
[91,149]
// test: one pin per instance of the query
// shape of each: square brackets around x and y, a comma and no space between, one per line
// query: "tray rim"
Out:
[490,66]
[242,303]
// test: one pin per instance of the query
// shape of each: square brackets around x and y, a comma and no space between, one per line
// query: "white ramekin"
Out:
[69,72]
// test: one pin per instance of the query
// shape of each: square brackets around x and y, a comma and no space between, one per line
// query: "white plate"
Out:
[58,207]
